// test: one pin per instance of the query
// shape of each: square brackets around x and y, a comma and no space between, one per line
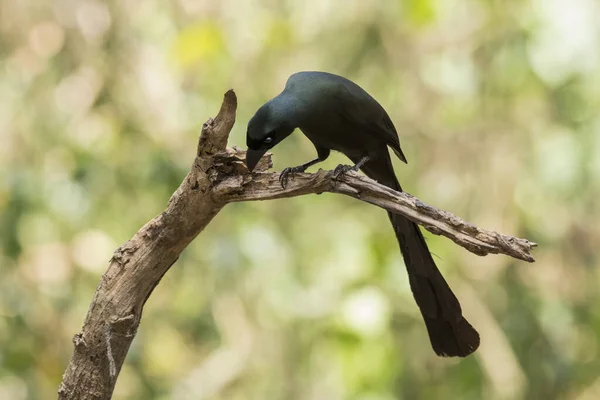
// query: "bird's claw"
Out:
[341,170]
[285,174]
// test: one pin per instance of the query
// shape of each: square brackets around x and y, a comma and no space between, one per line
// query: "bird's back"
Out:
[316,86]
[329,104]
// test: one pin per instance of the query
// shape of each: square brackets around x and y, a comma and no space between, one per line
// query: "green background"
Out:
[497,106]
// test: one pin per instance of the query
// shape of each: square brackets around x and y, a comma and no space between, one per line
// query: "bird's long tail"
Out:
[450,333]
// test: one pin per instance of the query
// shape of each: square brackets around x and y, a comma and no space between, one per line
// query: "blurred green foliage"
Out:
[497,107]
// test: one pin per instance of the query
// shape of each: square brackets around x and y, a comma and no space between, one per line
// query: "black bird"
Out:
[336,114]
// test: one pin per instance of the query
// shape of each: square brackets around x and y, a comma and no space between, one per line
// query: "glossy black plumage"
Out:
[336,114]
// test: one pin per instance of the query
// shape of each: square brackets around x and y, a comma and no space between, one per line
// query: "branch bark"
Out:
[218,176]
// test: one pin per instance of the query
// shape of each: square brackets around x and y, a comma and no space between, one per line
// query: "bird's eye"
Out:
[268,140]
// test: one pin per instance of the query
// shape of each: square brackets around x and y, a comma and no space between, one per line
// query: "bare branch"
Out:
[266,186]
[232,183]
[218,176]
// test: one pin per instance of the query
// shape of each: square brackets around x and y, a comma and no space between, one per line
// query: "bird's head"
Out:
[272,123]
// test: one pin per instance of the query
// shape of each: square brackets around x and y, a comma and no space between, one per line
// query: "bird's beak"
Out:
[253,157]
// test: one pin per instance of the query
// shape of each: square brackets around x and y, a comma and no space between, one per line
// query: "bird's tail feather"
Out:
[450,333]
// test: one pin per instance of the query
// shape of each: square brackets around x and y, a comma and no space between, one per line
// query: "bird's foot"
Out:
[342,169]
[289,171]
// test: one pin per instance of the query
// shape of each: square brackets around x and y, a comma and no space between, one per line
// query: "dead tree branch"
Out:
[218,176]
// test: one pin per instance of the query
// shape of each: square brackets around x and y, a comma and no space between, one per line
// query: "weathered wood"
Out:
[218,176]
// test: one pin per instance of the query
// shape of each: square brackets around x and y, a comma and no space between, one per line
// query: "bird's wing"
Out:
[360,109]
[392,136]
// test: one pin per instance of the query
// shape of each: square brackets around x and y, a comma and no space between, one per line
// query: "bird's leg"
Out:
[322,154]
[283,177]
[342,169]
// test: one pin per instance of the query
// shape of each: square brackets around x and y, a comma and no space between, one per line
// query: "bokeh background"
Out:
[497,104]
